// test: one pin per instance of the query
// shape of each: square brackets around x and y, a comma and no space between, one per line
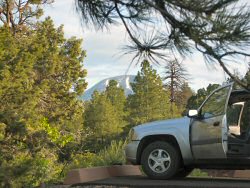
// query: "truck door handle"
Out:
[216,124]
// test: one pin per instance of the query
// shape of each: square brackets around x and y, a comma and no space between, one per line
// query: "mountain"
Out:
[123,81]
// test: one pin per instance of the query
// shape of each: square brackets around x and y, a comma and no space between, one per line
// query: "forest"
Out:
[45,130]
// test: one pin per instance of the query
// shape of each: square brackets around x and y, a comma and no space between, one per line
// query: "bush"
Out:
[198,173]
[84,160]
[114,154]
[111,155]
[25,170]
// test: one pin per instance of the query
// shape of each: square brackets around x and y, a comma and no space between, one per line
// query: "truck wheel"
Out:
[160,160]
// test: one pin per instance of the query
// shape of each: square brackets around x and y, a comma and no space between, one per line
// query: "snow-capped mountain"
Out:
[123,81]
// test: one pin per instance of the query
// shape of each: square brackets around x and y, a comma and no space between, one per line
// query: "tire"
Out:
[183,172]
[160,160]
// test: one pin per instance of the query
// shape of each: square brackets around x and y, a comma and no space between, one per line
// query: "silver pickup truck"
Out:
[204,139]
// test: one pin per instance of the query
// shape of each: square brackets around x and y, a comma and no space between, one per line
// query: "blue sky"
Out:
[104,49]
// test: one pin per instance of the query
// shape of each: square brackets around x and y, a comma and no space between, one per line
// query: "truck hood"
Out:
[181,125]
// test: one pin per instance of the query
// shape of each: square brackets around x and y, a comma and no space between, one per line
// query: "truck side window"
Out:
[245,122]
[233,114]
[215,105]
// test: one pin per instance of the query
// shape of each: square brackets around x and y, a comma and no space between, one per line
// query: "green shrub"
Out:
[2,130]
[113,154]
[25,170]
[84,160]
[198,173]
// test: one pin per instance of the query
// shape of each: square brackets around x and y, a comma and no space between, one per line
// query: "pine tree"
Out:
[41,77]
[117,97]
[196,100]
[175,77]
[182,96]
[150,101]
[18,15]
[207,26]
[102,119]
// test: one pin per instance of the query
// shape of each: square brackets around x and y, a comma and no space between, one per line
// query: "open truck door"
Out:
[209,128]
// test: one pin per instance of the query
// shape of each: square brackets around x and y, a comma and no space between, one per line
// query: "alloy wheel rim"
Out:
[159,160]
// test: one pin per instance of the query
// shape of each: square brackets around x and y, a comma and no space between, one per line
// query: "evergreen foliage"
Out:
[46,130]
[150,101]
[110,155]
[182,97]
[196,100]
[175,77]
[117,97]
[18,15]
[41,76]
[102,119]
[218,29]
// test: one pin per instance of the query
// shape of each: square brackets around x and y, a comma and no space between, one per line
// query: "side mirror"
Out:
[192,113]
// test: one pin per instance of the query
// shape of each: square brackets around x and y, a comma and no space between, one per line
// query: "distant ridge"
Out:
[123,81]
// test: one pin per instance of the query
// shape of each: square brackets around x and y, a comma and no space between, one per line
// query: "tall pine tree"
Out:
[150,101]
[102,120]
[182,97]
[117,97]
[175,76]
